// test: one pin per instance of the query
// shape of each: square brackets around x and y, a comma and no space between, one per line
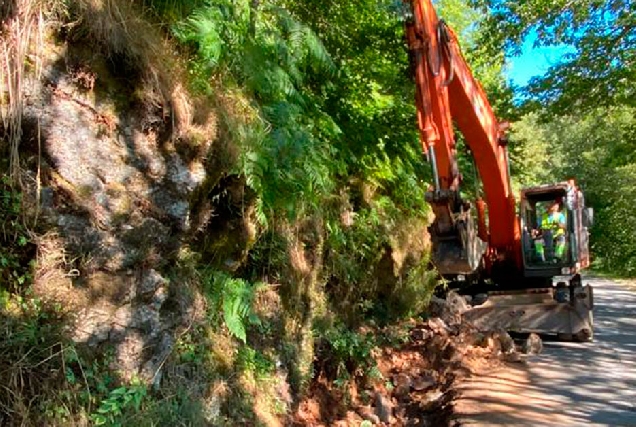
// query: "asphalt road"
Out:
[569,384]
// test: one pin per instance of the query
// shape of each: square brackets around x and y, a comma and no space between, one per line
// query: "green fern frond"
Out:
[233,298]
[278,60]
[236,307]
[203,29]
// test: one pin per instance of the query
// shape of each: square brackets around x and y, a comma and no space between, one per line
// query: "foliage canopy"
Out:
[601,67]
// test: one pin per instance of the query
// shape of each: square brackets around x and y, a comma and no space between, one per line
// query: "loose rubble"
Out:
[418,378]
[532,345]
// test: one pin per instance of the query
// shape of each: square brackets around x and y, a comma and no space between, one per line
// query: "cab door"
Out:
[585,219]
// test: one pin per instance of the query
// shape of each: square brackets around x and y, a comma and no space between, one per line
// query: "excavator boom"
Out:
[487,238]
[447,94]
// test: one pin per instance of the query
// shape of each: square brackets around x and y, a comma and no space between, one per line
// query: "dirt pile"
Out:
[415,380]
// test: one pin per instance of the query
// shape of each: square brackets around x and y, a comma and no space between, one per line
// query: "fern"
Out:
[233,297]
[285,154]
[202,31]
[237,305]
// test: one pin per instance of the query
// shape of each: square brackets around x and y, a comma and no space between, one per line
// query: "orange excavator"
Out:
[520,261]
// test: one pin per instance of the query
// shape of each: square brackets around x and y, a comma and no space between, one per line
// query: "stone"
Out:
[150,282]
[383,407]
[438,325]
[532,345]
[92,326]
[402,385]
[367,414]
[122,317]
[160,296]
[120,322]
[151,369]
[147,320]
[420,334]
[47,198]
[450,310]
[457,303]
[434,396]
[436,306]
[424,382]
[505,341]
[129,354]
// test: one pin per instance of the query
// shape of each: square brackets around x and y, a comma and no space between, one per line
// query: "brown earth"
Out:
[417,385]
[446,374]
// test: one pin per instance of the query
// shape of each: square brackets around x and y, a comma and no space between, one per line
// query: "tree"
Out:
[533,160]
[600,70]
[598,149]
[487,67]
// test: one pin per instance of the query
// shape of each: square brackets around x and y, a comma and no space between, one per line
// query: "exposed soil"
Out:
[446,374]
[418,380]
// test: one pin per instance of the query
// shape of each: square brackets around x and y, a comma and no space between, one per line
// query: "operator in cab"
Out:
[550,234]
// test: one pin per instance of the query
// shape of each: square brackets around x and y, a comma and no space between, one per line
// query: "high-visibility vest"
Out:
[551,222]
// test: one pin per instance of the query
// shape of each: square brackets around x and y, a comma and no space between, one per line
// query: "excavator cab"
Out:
[554,225]
[553,299]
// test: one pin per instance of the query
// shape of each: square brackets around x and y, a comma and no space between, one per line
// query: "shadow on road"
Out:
[570,384]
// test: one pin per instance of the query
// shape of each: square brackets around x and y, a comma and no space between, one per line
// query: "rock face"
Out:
[136,326]
[120,160]
[115,191]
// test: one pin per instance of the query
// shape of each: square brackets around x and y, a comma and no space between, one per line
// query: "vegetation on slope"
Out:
[296,195]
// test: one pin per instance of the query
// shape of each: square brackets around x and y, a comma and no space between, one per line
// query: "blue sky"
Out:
[533,61]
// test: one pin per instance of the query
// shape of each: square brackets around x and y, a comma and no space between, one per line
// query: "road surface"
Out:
[569,384]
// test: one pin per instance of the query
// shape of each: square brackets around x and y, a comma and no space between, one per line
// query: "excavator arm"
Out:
[484,237]
[447,94]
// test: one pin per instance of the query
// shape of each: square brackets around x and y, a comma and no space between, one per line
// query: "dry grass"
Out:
[51,257]
[21,35]
[121,27]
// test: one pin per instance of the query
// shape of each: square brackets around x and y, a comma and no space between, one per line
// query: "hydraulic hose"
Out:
[443,43]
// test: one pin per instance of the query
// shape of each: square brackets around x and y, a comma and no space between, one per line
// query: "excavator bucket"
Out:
[460,250]
[565,312]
